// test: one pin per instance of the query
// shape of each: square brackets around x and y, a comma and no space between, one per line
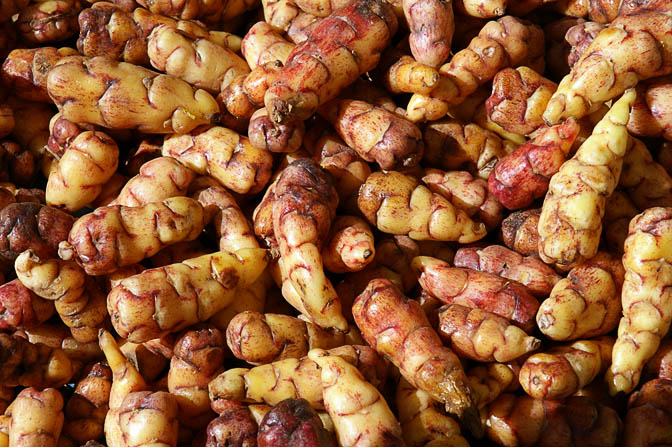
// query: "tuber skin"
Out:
[397,204]
[407,75]
[529,271]
[586,303]
[483,336]
[245,94]
[208,10]
[49,21]
[646,292]
[571,217]
[562,371]
[475,289]
[125,377]
[523,176]
[660,365]
[224,155]
[489,381]
[651,115]
[88,163]
[649,415]
[112,237]
[36,418]
[645,181]
[168,299]
[304,206]
[519,231]
[264,134]
[431,23]
[579,37]
[602,74]
[339,48]
[262,44]
[32,365]
[77,298]
[234,427]
[280,14]
[85,411]
[292,422]
[20,308]
[619,211]
[467,193]
[62,132]
[350,245]
[415,348]
[150,102]
[575,422]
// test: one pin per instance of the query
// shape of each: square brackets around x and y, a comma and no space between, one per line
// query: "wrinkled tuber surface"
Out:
[293,422]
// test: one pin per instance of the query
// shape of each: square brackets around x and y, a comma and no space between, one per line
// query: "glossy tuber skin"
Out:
[167,299]
[431,24]
[586,303]
[235,427]
[264,134]
[467,193]
[605,69]
[407,75]
[36,418]
[571,217]
[518,100]
[198,358]
[85,411]
[224,155]
[660,365]
[350,246]
[112,237]
[32,365]
[33,226]
[358,410]
[245,94]
[507,42]
[398,329]
[645,181]
[49,21]
[490,380]
[375,133]
[475,289]
[293,422]
[483,336]
[397,204]
[529,271]
[619,211]
[523,176]
[88,163]
[651,115]
[262,44]
[21,309]
[150,102]
[304,206]
[339,48]
[645,297]
[649,415]
[519,231]
[575,422]
[562,371]
[208,10]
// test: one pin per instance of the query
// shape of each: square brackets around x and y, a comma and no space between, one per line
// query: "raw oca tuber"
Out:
[264,134]
[48,21]
[409,76]
[245,94]
[21,309]
[431,24]
[350,245]
[36,418]
[262,44]
[645,181]
[293,422]
[235,426]
[32,365]
[651,115]
[649,415]
[519,231]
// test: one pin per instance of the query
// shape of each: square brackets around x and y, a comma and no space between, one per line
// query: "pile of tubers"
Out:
[334,223]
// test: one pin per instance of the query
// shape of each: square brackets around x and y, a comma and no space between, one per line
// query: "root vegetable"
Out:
[245,94]
[85,411]
[651,115]
[209,10]
[646,181]
[519,231]
[49,21]
[649,415]
[489,381]
[431,23]
[37,418]
[660,365]
[262,44]
[350,246]
[21,309]
[264,134]
[293,422]
[409,76]
[234,427]
[32,365]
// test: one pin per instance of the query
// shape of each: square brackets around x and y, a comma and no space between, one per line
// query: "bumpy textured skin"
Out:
[489,381]
[350,246]
[431,23]
[651,114]
[78,300]
[359,412]
[482,9]
[89,162]
[293,422]
[62,132]
[660,365]
[571,218]
[529,271]
[85,411]
[263,44]
[49,21]
[37,418]
[196,60]
[586,303]
[304,206]
[119,95]
[264,338]
[579,37]
[562,371]
[397,204]
[507,42]
[235,427]
[605,69]
[320,8]
[398,329]
[407,75]
[339,49]
[31,124]
[290,378]
[224,155]
[280,14]
[645,181]
[208,10]
[167,299]
[523,175]
[519,98]
[198,358]
[649,415]
[575,422]
[519,231]
[376,134]
[116,236]
[158,179]
[453,145]
[143,419]
[32,365]
[17,164]
[125,376]
[423,420]
[483,336]
[245,94]
[475,289]
[20,308]
[646,297]
[265,134]
[24,71]
[31,225]
[467,193]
